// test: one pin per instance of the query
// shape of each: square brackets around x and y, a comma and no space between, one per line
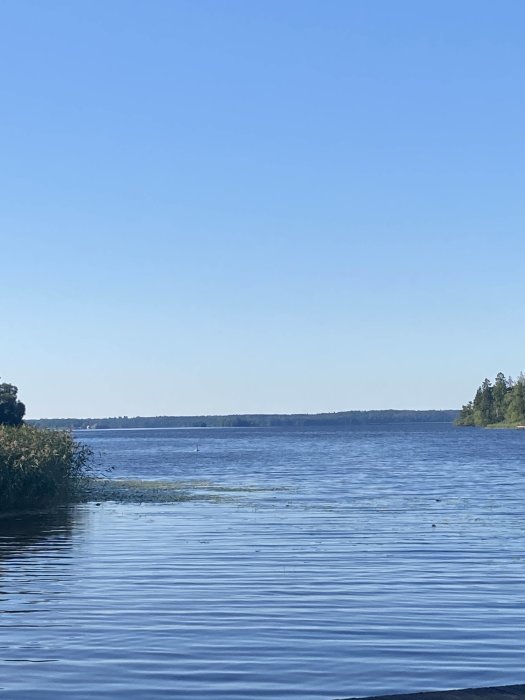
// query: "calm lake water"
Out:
[309,564]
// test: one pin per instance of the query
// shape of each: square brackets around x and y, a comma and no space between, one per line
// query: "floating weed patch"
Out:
[144,491]
[141,491]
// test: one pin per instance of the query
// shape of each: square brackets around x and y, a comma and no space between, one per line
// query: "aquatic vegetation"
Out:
[156,491]
[39,468]
[132,491]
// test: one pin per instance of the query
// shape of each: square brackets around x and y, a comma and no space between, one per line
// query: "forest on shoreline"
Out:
[339,419]
[498,404]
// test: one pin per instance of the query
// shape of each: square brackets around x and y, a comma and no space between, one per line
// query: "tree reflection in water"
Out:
[32,533]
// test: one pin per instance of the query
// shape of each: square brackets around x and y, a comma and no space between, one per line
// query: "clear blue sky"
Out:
[215,206]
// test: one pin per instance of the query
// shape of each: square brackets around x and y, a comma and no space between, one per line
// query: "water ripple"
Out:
[327,564]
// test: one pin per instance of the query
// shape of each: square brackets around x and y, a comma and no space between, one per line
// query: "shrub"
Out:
[39,468]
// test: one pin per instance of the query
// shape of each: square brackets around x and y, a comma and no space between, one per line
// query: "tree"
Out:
[516,401]
[11,409]
[466,415]
[502,402]
[499,393]
[483,404]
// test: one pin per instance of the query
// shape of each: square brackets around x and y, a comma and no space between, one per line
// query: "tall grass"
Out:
[39,468]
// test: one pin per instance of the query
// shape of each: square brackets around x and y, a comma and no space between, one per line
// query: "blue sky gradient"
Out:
[267,206]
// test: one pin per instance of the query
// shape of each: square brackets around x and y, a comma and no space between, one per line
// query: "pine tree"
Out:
[515,412]
[499,393]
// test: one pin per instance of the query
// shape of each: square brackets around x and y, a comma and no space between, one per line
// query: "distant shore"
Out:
[309,420]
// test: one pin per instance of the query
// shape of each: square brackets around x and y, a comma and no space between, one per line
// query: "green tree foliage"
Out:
[499,395]
[500,403]
[11,409]
[516,401]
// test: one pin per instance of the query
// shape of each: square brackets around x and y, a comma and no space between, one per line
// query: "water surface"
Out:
[311,564]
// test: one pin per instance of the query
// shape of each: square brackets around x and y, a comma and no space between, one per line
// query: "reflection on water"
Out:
[35,549]
[341,564]
[27,534]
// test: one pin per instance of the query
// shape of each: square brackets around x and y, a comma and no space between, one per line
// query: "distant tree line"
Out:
[498,403]
[306,420]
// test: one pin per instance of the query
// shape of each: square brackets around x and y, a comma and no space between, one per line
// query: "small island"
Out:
[496,405]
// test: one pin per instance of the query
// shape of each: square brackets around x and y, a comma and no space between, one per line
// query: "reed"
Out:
[39,468]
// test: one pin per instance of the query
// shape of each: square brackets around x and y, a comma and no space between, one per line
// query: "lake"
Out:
[314,564]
